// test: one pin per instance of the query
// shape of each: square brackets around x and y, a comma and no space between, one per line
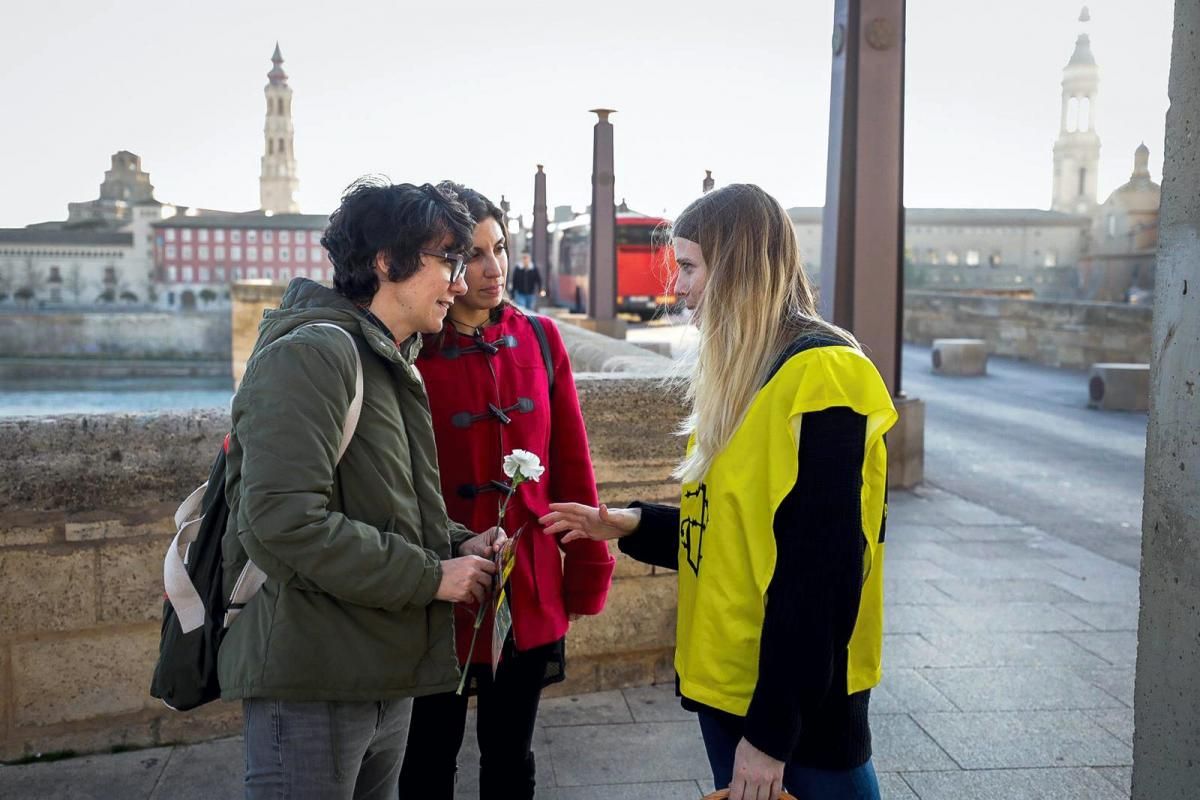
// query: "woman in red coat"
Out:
[489,382]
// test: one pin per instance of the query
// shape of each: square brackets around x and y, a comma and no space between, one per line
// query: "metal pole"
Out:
[862,249]
[602,285]
[541,253]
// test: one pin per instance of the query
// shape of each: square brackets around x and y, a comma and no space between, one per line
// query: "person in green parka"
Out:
[362,563]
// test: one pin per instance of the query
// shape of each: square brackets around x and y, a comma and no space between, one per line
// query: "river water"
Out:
[51,397]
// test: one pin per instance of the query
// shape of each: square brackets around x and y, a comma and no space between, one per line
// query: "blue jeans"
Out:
[525,299]
[324,751]
[806,783]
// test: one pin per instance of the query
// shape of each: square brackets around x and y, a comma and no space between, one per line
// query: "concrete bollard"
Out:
[959,357]
[1119,387]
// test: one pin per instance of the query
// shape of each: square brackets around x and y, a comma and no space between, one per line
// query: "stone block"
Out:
[597,708]
[906,445]
[131,581]
[900,745]
[1015,784]
[124,775]
[657,703]
[967,357]
[1023,740]
[158,519]
[212,771]
[588,755]
[201,724]
[47,589]
[31,528]
[1018,689]
[83,677]
[639,616]
[613,328]
[1119,387]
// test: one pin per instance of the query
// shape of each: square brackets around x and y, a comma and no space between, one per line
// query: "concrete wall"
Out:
[1166,740]
[146,335]
[87,505]
[1055,333]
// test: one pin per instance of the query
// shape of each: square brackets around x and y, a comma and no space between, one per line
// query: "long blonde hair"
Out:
[757,300]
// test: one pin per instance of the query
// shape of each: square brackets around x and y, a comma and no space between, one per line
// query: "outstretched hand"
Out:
[577,521]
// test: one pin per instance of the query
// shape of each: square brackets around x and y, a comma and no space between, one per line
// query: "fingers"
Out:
[574,536]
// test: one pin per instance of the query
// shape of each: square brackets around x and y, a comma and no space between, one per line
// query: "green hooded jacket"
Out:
[352,550]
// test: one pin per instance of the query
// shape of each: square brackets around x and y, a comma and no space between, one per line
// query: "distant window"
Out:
[170,234]
[237,273]
[186,251]
[172,274]
[1073,114]
[1112,225]
[218,235]
[220,274]
[235,236]
[55,275]
[952,258]
[252,253]
[205,274]
[995,260]
[1051,259]
[268,253]
[252,272]
[202,235]
[280,106]
[235,252]
[219,252]
[934,258]
[285,254]
[285,237]
[282,149]
[314,237]
[268,236]
[285,274]
[301,254]
[251,236]
[185,274]
[187,234]
[301,272]
[315,254]
[110,274]
[203,252]
[170,298]
[270,147]
[1085,113]
[972,258]
[170,251]
[269,273]
[1082,180]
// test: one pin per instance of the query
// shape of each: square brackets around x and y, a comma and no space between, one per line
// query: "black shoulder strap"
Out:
[543,343]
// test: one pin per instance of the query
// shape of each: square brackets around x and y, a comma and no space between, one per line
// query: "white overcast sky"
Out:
[482,92]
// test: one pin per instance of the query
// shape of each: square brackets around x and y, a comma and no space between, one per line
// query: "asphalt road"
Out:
[1023,442]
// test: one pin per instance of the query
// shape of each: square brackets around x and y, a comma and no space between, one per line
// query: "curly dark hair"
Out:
[397,219]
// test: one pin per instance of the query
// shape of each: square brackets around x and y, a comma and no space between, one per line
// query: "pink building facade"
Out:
[197,258]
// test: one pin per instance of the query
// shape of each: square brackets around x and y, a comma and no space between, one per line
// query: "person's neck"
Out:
[388,316]
[467,318]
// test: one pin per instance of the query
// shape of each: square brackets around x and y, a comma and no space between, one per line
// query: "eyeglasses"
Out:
[457,262]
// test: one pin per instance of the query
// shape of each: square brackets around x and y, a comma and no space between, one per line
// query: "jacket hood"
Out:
[307,301]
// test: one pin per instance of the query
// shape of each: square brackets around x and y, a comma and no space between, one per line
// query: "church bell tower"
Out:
[1077,150]
[278,183]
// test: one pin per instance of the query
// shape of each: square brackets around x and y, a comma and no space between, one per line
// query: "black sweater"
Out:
[800,711]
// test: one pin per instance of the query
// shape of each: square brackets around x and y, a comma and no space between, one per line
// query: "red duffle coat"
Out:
[464,380]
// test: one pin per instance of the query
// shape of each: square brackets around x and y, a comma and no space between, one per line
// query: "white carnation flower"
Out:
[522,465]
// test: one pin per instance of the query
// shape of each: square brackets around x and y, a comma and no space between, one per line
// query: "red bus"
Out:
[643,264]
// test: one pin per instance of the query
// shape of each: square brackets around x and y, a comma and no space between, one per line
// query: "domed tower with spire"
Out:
[1077,150]
[278,182]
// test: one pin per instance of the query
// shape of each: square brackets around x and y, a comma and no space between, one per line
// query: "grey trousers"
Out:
[324,751]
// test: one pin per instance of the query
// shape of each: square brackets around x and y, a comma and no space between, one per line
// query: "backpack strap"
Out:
[251,578]
[356,402]
[544,344]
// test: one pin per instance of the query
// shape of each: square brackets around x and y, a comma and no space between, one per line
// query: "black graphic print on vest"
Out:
[691,531]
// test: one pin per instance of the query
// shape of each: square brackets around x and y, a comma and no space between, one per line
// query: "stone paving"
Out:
[1008,665]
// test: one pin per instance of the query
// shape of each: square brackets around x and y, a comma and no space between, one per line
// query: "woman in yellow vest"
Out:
[779,536]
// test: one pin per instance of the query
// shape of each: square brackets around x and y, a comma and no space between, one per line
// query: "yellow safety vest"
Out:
[727,539]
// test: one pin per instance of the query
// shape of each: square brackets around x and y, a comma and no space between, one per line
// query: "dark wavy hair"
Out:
[480,207]
[397,219]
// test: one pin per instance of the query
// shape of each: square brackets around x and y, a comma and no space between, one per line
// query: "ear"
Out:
[381,266]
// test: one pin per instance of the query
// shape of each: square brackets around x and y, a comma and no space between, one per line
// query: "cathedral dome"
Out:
[1140,194]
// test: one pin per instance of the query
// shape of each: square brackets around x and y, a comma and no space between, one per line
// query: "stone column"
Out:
[541,248]
[602,283]
[1166,741]
[863,240]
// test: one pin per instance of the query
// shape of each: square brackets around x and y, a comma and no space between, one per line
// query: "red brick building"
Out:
[196,258]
